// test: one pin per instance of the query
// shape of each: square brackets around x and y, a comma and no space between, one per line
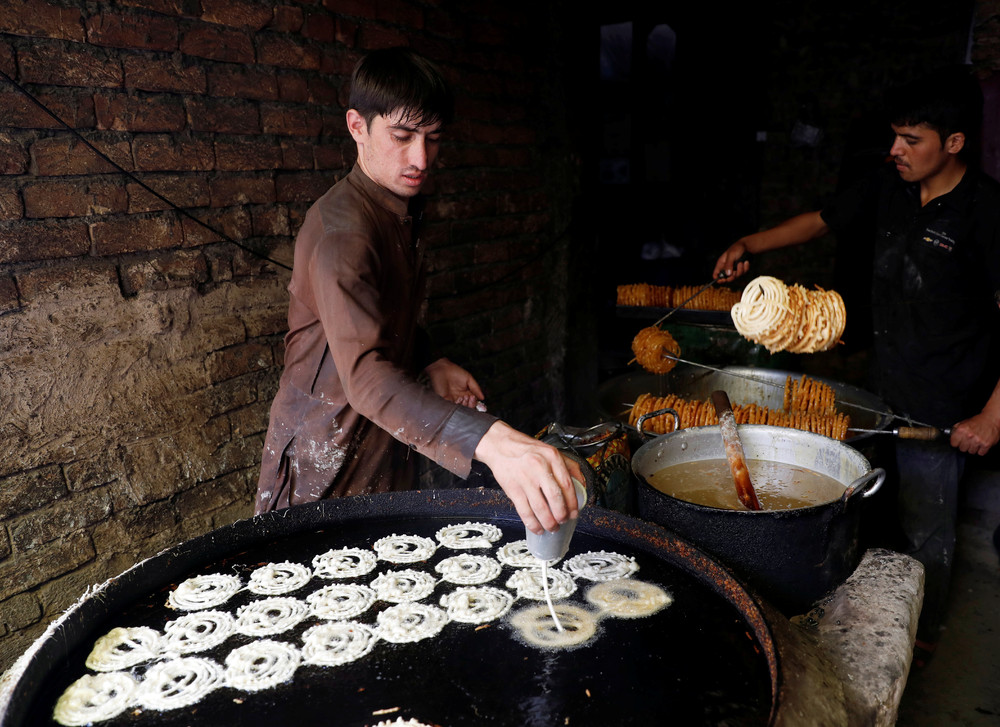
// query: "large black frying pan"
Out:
[708,659]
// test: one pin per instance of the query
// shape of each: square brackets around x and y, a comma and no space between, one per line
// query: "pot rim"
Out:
[752,431]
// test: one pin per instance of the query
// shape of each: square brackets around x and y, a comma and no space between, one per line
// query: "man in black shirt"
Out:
[934,286]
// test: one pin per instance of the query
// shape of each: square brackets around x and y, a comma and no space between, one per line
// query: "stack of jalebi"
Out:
[811,412]
[665,296]
[809,395]
[651,346]
[783,318]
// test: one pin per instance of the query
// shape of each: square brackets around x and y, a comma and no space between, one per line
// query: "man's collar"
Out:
[379,194]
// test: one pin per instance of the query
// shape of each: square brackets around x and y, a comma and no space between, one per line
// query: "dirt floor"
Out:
[960,685]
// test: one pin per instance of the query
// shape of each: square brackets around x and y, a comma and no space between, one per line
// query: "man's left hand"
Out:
[450,381]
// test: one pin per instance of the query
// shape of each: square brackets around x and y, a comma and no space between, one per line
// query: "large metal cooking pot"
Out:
[712,657]
[791,557]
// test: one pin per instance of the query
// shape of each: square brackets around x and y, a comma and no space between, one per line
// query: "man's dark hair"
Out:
[948,101]
[394,80]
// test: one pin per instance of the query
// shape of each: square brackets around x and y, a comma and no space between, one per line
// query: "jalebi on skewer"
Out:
[651,347]
[808,404]
[716,298]
[789,318]
[695,413]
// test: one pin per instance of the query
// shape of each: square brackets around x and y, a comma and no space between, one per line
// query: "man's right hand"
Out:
[534,475]
[729,265]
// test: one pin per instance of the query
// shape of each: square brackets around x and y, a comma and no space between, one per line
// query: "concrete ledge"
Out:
[866,629]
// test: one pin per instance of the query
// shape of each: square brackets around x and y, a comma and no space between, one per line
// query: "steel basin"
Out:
[791,557]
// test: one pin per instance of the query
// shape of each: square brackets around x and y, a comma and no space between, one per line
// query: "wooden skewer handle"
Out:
[734,451]
[924,433]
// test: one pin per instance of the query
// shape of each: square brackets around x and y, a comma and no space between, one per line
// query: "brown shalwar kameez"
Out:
[349,405]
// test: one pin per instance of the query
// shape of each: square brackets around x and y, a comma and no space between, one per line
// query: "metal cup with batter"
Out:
[552,545]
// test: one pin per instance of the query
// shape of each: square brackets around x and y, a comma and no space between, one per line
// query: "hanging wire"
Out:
[135,179]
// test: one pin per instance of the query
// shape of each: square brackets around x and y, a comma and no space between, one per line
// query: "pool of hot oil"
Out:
[631,672]
[779,486]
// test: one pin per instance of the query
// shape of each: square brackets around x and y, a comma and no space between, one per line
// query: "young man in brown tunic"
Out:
[349,406]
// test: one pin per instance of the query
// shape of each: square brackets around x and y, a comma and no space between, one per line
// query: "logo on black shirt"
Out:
[938,239]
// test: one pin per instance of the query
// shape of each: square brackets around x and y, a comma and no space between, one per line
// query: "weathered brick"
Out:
[230,190]
[293,87]
[183,268]
[98,469]
[233,222]
[251,419]
[155,73]
[334,124]
[287,19]
[212,495]
[165,7]
[238,360]
[346,34]
[155,471]
[64,154]
[224,396]
[21,573]
[218,43]
[5,546]
[11,206]
[62,518]
[20,611]
[329,156]
[15,158]
[358,8]
[293,187]
[223,116]
[242,82]
[168,153]
[75,107]
[77,198]
[148,32]
[297,154]
[67,280]
[321,91]
[41,18]
[270,220]
[139,112]
[371,36]
[42,240]
[321,27]
[7,63]
[56,63]
[261,261]
[9,299]
[287,52]
[134,233]
[237,13]
[290,120]
[268,316]
[133,525]
[239,510]
[183,190]
[246,154]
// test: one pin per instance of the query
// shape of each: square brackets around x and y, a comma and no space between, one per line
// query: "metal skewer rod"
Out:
[912,422]
[676,308]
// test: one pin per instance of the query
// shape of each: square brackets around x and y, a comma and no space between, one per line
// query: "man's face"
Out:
[394,151]
[919,152]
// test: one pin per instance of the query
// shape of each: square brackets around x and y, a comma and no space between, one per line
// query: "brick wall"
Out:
[139,349]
